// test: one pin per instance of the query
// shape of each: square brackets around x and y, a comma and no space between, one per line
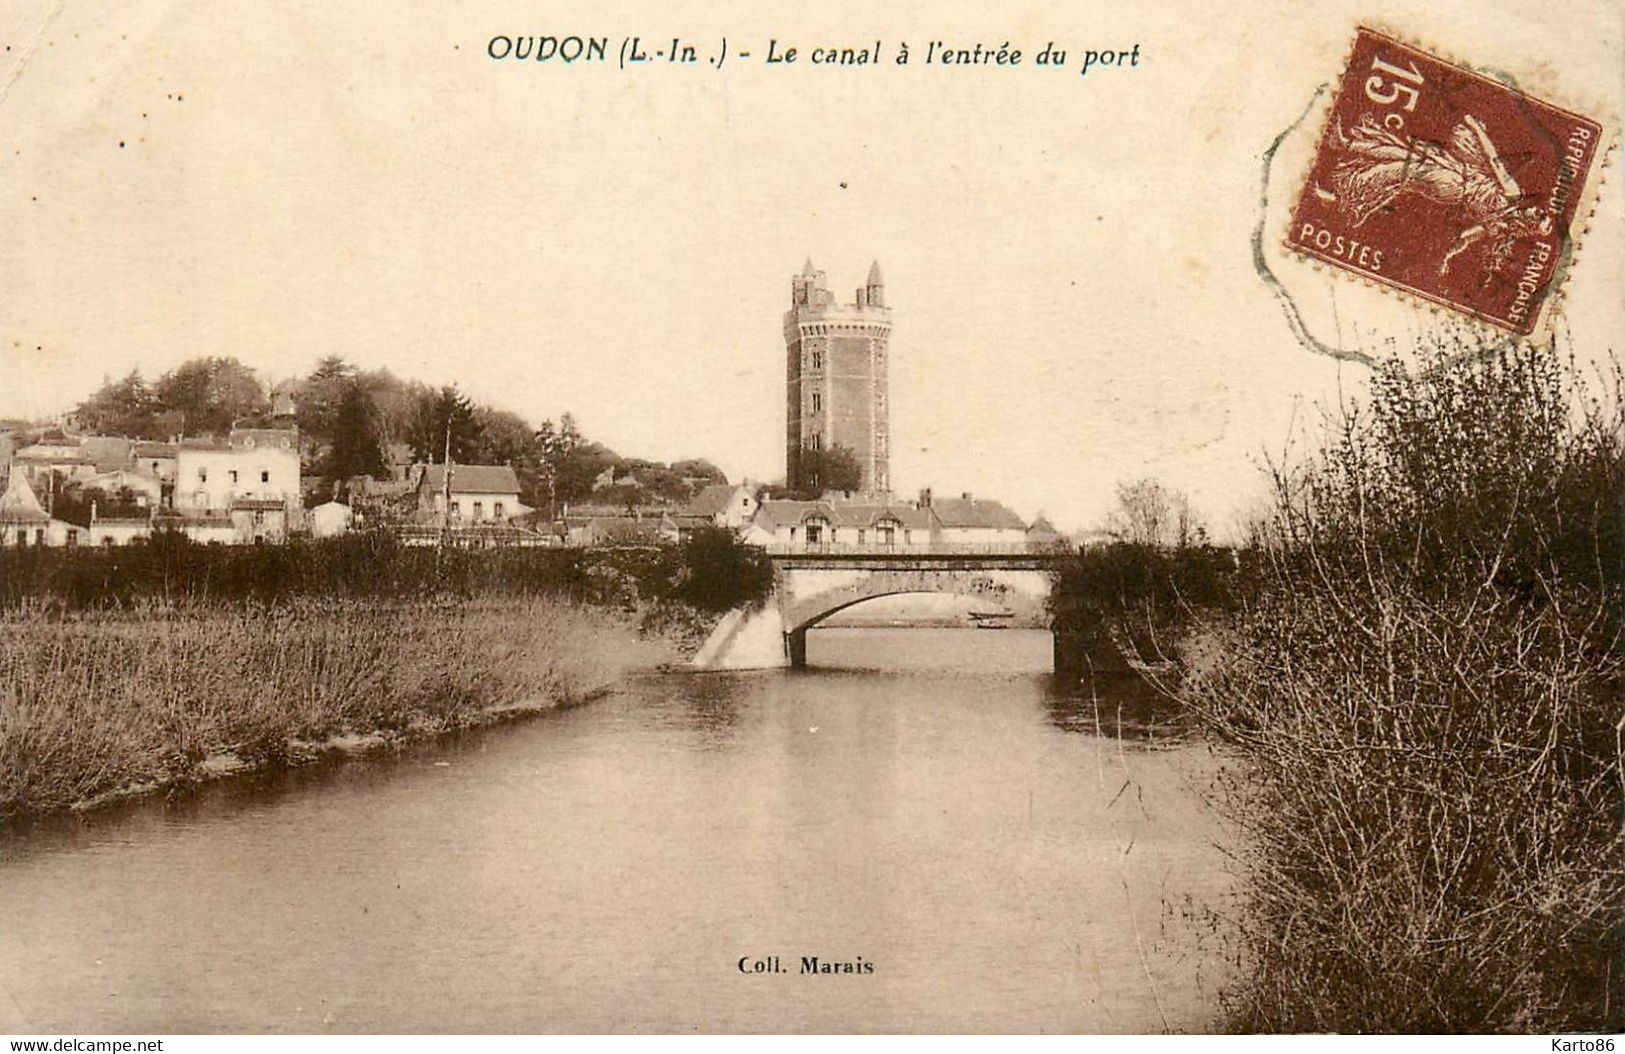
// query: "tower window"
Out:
[818,402]
[817,359]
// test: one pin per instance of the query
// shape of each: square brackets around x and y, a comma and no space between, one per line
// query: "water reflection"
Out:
[928,800]
[1120,706]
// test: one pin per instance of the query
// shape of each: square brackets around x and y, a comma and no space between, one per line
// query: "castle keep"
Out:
[836,376]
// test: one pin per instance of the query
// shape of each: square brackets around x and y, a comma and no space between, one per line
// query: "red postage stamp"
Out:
[1445,183]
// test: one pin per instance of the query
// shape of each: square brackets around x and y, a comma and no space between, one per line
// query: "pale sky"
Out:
[1068,258]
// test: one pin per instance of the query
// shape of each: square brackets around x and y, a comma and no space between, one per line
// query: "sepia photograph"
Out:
[726,519]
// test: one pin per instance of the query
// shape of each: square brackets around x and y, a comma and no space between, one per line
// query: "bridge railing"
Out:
[937,549]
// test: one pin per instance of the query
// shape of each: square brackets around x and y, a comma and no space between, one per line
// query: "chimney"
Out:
[967,496]
[925,497]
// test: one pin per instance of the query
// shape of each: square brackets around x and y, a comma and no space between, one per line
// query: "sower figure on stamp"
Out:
[1467,176]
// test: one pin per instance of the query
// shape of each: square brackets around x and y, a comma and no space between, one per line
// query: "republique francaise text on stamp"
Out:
[1445,183]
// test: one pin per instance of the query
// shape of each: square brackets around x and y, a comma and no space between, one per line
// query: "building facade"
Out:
[251,481]
[478,494]
[836,369]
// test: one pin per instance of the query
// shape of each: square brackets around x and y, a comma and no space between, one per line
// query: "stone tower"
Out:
[835,375]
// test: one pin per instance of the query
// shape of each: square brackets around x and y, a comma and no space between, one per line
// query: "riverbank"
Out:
[102,706]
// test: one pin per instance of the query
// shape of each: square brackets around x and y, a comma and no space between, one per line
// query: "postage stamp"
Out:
[1445,183]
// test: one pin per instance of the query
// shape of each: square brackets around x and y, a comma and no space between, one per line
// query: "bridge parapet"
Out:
[930,549]
[809,587]
[916,560]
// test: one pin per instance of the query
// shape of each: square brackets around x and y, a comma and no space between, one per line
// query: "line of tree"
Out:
[354,422]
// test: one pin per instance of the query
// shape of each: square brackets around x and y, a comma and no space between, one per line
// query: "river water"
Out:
[1006,857]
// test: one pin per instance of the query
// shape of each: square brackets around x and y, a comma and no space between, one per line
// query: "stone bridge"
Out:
[810,587]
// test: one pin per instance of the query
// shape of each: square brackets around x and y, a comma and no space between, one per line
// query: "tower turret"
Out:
[875,287]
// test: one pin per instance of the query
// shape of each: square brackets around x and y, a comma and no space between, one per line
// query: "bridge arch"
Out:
[1021,599]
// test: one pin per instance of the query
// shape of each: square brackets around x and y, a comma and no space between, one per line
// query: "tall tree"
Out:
[394,404]
[211,393]
[355,438]
[819,471]
[1148,513]
[1142,513]
[442,414]
[321,393]
[122,407]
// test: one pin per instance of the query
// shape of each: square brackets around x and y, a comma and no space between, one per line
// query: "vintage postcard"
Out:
[802,519]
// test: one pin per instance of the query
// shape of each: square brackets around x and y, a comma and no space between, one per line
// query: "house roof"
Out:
[110,453]
[121,477]
[975,512]
[472,479]
[625,528]
[1041,528]
[53,454]
[712,499]
[156,449]
[774,514]
[19,503]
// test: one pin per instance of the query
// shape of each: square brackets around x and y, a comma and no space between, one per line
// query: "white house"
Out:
[157,460]
[24,521]
[832,524]
[118,531]
[252,479]
[62,457]
[330,519]
[972,521]
[725,504]
[478,493]
[147,489]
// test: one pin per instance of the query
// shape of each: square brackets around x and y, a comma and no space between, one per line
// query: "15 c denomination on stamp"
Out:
[1445,183]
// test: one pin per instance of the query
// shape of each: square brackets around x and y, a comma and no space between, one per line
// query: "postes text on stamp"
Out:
[1445,183]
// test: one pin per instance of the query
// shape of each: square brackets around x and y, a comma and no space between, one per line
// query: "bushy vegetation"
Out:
[713,572]
[1134,600]
[1424,686]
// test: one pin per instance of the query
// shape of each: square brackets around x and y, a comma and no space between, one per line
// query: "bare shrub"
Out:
[1424,685]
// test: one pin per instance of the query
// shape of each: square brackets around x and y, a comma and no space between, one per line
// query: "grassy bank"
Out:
[1423,682]
[96,704]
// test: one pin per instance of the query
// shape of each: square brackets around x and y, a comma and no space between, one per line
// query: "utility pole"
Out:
[445,495]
